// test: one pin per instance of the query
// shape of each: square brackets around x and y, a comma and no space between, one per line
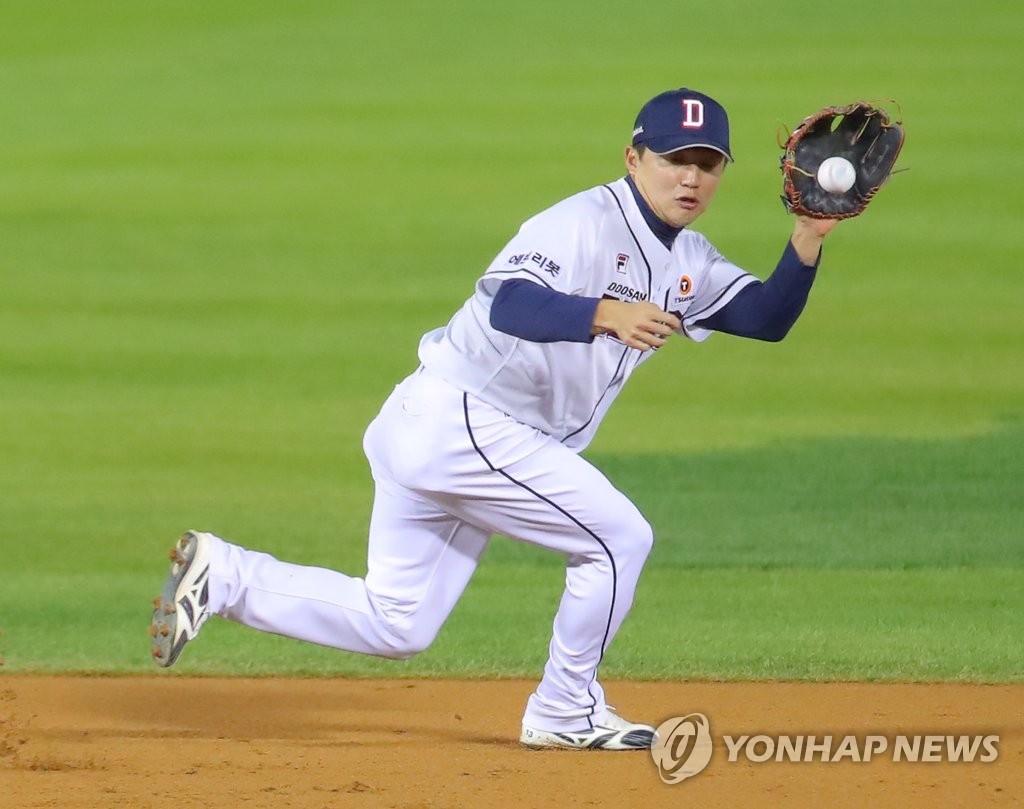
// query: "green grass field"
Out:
[224,227]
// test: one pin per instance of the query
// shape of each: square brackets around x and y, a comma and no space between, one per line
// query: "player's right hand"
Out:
[641,325]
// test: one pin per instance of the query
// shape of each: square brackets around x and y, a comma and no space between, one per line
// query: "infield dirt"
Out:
[172,741]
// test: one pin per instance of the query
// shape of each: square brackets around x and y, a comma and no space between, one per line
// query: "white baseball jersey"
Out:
[595,244]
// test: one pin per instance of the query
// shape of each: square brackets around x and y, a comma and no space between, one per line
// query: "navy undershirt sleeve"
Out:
[534,312]
[767,310]
[763,310]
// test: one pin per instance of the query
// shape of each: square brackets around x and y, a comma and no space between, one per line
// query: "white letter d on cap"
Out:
[693,113]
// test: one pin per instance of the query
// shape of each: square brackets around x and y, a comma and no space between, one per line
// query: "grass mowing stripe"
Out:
[908,625]
[941,540]
[835,502]
[957,624]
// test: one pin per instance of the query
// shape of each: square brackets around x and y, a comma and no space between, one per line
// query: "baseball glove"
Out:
[858,132]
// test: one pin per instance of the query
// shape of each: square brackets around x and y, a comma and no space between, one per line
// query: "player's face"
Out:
[678,186]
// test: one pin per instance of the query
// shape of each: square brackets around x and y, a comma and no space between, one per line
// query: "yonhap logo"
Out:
[682,748]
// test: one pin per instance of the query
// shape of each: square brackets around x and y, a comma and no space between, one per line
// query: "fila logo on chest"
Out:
[624,290]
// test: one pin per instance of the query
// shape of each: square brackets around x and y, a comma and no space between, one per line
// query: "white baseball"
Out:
[836,175]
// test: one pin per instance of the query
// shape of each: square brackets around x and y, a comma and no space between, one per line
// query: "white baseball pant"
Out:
[450,471]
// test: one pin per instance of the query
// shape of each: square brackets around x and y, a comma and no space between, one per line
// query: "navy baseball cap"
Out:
[682,119]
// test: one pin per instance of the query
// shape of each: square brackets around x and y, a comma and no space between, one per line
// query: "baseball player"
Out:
[484,437]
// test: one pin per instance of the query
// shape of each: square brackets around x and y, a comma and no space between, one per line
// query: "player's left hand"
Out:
[808,235]
[818,227]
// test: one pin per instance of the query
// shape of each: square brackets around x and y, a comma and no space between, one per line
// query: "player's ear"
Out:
[632,159]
